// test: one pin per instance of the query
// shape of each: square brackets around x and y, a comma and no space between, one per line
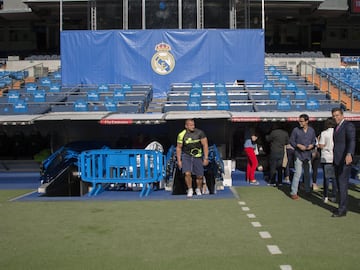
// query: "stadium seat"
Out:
[274,94]
[193,105]
[119,94]
[13,96]
[39,96]
[80,106]
[20,106]
[30,87]
[268,85]
[55,87]
[290,85]
[223,105]
[110,105]
[103,88]
[45,81]
[92,95]
[312,104]
[284,104]
[127,87]
[300,94]
[220,87]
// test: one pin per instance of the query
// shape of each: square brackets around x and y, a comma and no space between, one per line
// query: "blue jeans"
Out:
[299,166]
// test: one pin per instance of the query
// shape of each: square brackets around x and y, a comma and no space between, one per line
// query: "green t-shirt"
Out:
[191,142]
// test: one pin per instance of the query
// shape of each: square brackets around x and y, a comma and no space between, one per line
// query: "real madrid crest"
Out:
[163,62]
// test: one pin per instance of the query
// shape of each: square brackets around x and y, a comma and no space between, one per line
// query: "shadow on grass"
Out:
[316,197]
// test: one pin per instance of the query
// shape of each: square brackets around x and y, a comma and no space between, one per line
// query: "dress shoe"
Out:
[337,214]
[295,197]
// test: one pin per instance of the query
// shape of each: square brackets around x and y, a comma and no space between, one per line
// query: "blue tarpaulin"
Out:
[161,57]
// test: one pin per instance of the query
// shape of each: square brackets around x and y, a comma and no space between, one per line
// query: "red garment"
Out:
[252,163]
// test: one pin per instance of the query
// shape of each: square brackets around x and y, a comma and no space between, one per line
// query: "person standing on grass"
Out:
[303,139]
[192,153]
[252,162]
[278,139]
[344,149]
[315,162]
[326,144]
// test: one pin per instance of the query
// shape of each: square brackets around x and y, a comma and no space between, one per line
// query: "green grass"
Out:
[188,234]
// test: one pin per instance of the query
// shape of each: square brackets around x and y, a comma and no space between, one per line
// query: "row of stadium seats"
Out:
[346,79]
[281,91]
[47,95]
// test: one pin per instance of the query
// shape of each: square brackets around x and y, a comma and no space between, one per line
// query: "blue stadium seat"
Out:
[220,87]
[290,85]
[45,81]
[80,106]
[274,94]
[31,87]
[39,96]
[92,95]
[119,94]
[300,94]
[284,104]
[127,87]
[223,105]
[110,105]
[268,85]
[312,104]
[13,96]
[195,94]
[55,87]
[193,105]
[20,106]
[103,88]
[196,86]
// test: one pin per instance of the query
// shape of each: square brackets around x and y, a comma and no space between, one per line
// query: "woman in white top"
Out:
[326,144]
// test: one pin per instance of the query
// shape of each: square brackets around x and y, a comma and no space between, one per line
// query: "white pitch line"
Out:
[285,267]
[245,208]
[274,250]
[233,190]
[251,216]
[21,196]
[265,235]
[256,224]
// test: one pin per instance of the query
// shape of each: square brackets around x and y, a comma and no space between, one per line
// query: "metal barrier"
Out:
[115,166]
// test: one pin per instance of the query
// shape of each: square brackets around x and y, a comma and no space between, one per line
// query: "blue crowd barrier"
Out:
[118,166]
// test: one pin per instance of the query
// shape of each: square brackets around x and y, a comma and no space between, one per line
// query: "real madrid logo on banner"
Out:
[163,62]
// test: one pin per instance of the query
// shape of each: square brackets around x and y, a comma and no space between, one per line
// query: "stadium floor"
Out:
[30,181]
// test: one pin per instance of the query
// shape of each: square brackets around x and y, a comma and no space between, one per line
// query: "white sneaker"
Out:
[326,200]
[190,192]
[198,191]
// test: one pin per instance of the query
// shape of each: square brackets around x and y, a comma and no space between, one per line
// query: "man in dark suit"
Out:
[344,149]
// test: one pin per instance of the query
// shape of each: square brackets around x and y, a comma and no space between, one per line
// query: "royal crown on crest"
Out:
[162,47]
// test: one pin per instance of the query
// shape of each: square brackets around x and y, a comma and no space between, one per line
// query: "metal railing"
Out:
[329,83]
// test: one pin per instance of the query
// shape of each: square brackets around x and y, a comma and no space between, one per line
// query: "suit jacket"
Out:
[344,142]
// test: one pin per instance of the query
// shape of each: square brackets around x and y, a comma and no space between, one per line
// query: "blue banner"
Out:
[161,57]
